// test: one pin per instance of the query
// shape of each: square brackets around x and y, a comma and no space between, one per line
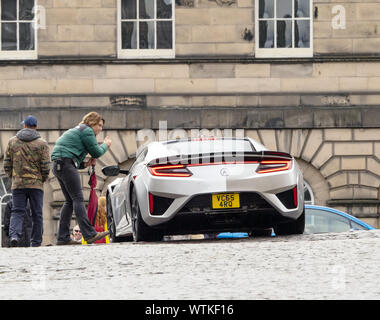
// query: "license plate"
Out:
[225,201]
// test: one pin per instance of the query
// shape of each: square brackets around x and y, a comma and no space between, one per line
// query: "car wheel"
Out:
[293,227]
[141,231]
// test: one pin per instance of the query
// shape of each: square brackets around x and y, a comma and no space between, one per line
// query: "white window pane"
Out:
[26,36]
[164,35]
[128,35]
[8,10]
[128,9]
[284,9]
[266,9]
[301,8]
[147,35]
[164,9]
[8,36]
[266,32]
[302,33]
[26,10]
[146,9]
[284,34]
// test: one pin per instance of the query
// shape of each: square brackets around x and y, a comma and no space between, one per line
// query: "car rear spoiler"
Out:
[228,157]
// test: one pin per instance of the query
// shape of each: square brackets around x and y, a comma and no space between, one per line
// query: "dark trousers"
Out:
[19,204]
[69,180]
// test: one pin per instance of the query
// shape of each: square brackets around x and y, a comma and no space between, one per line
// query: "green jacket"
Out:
[76,143]
[26,160]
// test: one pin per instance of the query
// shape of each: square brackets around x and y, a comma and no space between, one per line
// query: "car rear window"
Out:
[210,146]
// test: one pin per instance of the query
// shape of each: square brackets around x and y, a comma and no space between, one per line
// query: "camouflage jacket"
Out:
[27,160]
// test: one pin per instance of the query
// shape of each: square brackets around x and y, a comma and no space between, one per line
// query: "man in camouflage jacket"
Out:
[27,163]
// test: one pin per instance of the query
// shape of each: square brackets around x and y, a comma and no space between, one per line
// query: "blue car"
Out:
[318,219]
[323,219]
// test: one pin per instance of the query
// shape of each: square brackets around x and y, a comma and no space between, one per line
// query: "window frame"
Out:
[20,54]
[283,52]
[144,53]
[307,188]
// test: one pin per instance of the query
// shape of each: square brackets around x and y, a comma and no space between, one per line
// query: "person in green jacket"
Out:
[68,156]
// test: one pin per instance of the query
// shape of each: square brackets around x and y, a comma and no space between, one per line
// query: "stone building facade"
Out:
[306,82]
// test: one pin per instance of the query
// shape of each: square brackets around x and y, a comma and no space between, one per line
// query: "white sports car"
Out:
[205,185]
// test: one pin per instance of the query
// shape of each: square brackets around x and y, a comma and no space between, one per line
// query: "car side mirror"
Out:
[112,171]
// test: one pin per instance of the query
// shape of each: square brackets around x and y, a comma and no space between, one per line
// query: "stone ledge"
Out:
[134,118]
[306,100]
[361,202]
[191,59]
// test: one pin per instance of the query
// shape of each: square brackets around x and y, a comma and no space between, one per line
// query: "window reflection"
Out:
[147,35]
[128,35]
[164,9]
[266,8]
[164,35]
[301,8]
[302,34]
[128,9]
[284,9]
[26,36]
[26,9]
[143,25]
[266,32]
[8,36]
[8,10]
[146,9]
[284,24]
[284,34]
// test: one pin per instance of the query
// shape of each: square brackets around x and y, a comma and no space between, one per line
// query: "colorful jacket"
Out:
[26,160]
[76,143]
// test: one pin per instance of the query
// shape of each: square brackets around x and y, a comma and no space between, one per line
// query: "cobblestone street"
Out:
[329,266]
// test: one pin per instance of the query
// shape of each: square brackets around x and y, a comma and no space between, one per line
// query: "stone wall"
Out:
[324,110]
[214,79]
[203,28]
[78,28]
[341,165]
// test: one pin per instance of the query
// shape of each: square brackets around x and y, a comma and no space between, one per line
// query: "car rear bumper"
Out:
[183,190]
[188,222]
[198,216]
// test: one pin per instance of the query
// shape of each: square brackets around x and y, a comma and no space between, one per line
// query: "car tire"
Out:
[293,227]
[141,231]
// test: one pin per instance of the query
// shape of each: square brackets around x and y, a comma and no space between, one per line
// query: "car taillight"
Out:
[267,166]
[170,171]
[150,203]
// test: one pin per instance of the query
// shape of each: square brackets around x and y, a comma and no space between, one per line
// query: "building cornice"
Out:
[194,59]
